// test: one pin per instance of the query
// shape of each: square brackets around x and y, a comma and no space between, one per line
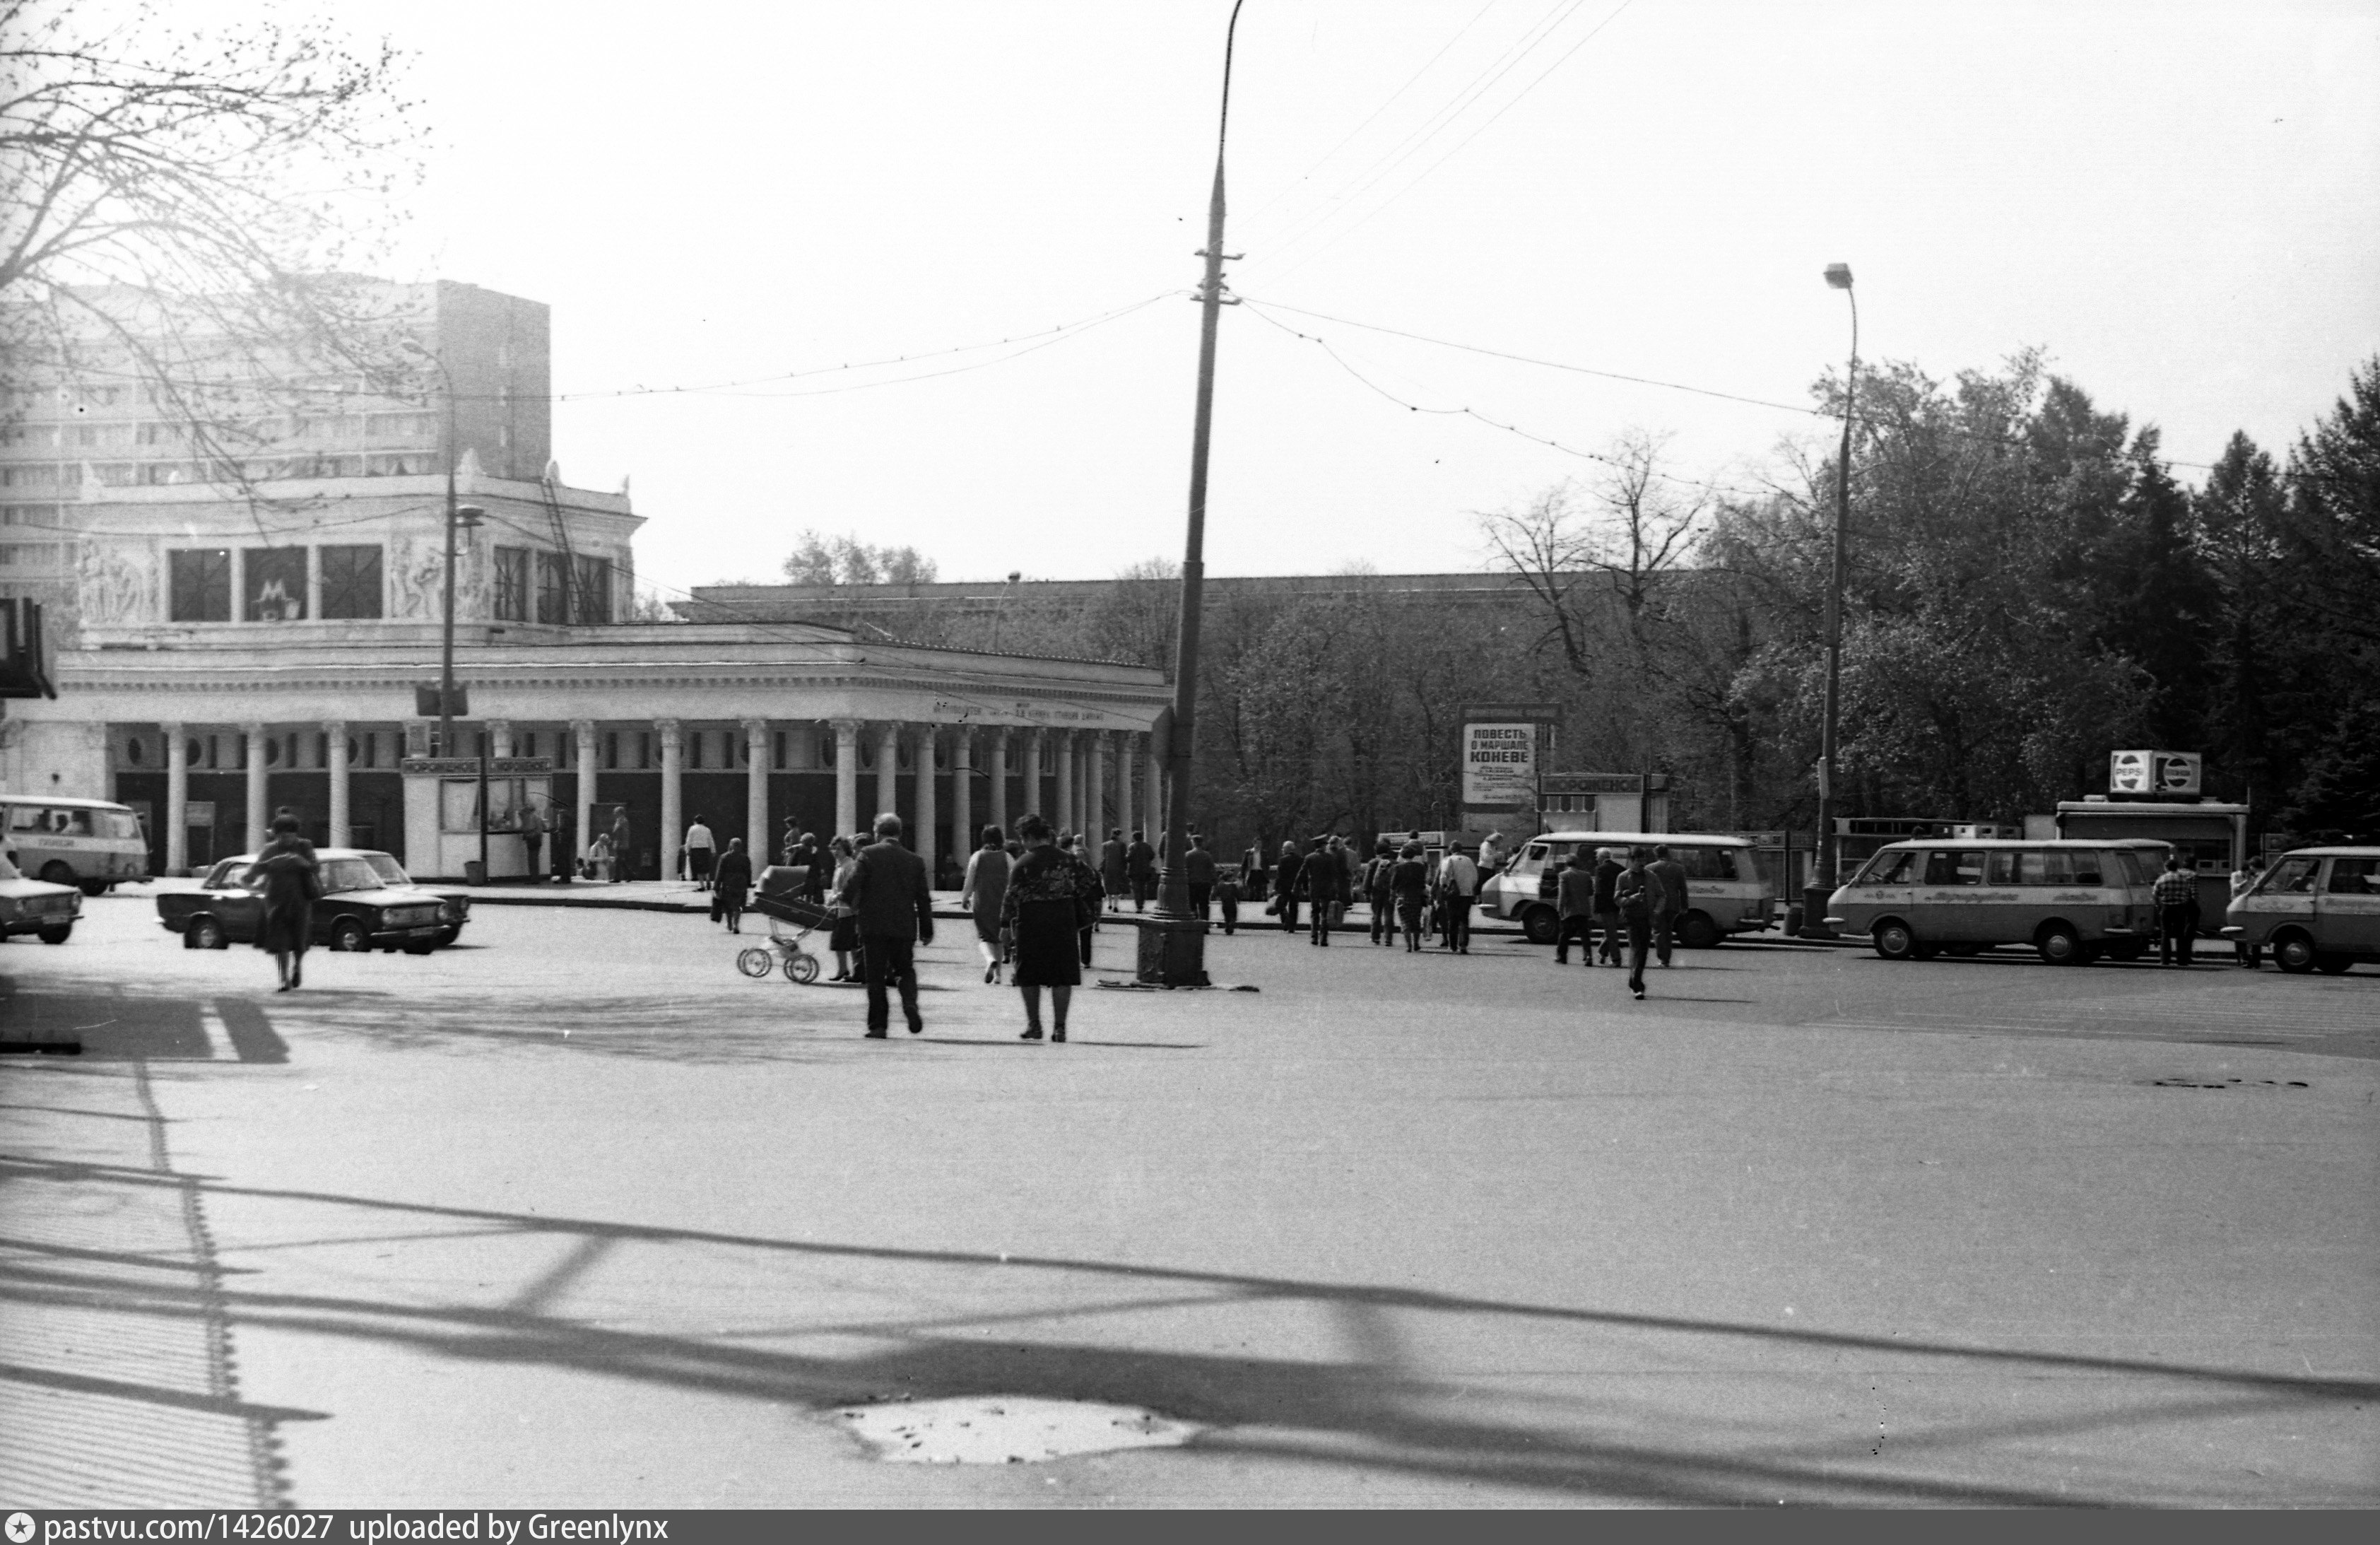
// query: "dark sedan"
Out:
[368,903]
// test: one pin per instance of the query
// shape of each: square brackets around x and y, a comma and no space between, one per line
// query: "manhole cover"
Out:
[1007,1430]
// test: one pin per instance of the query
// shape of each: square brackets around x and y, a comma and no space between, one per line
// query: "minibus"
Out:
[2071,901]
[1724,891]
[91,842]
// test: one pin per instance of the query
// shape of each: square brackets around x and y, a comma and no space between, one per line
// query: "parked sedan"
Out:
[2317,909]
[35,907]
[368,903]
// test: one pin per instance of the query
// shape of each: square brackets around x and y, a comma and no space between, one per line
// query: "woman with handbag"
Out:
[843,938]
[292,881]
[1047,903]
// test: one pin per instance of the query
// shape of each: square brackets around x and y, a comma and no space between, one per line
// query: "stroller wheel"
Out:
[754,961]
[801,968]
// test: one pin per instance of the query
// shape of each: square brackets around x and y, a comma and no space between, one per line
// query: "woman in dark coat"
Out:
[981,893]
[291,879]
[1047,894]
[730,881]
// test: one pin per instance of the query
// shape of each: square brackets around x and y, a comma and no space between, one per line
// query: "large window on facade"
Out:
[351,582]
[275,584]
[199,583]
[594,597]
[552,588]
[512,584]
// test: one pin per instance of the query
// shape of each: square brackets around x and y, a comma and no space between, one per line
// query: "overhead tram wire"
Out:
[1466,412]
[1425,175]
[1414,140]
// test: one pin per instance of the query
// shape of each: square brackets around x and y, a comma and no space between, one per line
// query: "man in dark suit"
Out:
[1140,866]
[889,897]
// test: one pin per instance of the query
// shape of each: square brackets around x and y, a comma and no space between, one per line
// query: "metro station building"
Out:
[220,657]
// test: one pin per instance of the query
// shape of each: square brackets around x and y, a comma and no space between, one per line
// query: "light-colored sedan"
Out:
[2317,909]
[35,907]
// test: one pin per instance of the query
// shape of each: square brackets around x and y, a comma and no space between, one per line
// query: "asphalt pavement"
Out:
[576,1214]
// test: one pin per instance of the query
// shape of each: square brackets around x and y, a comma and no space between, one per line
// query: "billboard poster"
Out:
[1499,765]
[2152,772]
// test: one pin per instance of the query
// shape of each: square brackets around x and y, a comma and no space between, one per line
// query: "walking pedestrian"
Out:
[1093,893]
[894,905]
[1668,898]
[620,851]
[1377,896]
[1140,866]
[1284,887]
[286,870]
[1491,854]
[565,854]
[1252,871]
[1607,904]
[701,852]
[2176,894]
[1575,906]
[984,888]
[2243,880]
[1198,868]
[1458,886]
[732,883]
[1326,882]
[843,935]
[1227,898]
[1633,894]
[1409,883]
[1112,868]
[533,836]
[1351,870]
[1043,909]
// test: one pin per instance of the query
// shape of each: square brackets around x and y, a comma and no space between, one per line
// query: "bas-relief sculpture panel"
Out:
[117,583]
[417,577]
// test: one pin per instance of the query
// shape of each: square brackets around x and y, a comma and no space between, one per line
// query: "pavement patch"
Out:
[1007,1430]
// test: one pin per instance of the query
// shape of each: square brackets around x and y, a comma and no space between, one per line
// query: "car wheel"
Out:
[2293,953]
[92,888]
[2328,964]
[1696,932]
[348,934]
[1541,925]
[2060,945]
[58,935]
[1895,941]
[205,932]
[58,871]
[447,936]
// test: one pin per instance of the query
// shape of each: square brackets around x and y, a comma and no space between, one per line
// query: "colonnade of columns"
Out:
[1093,772]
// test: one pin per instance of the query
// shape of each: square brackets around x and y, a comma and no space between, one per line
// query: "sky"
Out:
[2179,202]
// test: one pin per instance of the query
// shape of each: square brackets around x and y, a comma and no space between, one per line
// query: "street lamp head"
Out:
[1839,274]
[469,515]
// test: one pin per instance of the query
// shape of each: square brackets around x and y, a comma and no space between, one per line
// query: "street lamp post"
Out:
[1825,877]
[459,516]
[1173,941]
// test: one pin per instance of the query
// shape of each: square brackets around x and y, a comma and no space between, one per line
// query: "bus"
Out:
[95,844]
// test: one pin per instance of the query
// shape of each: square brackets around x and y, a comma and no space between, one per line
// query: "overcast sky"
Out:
[2180,202]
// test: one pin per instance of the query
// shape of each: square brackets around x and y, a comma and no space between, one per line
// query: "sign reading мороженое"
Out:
[1499,765]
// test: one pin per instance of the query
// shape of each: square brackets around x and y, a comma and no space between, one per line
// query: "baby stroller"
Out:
[784,950]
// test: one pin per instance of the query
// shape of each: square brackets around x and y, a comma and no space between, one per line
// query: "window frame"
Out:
[212,567]
[378,589]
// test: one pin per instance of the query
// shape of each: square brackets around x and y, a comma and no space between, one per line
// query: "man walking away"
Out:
[731,883]
[620,851]
[1140,866]
[701,849]
[533,836]
[1458,882]
[1351,872]
[1378,895]
[1198,866]
[1112,871]
[1668,898]
[1606,906]
[1227,899]
[2177,906]
[1285,886]
[1323,878]
[1409,883]
[1633,893]
[896,911]
[1574,901]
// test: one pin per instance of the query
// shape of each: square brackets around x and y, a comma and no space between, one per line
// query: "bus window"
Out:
[27,818]
[1891,869]
[2354,877]
[2290,877]
[1707,863]
[2000,868]
[1944,866]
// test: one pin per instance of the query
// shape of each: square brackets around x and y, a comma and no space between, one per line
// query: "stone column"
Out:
[673,795]
[1124,783]
[962,797]
[756,795]
[927,738]
[582,763]
[1155,798]
[1063,748]
[846,777]
[260,800]
[500,737]
[1000,780]
[1087,792]
[1095,813]
[334,760]
[178,798]
[888,774]
[1033,774]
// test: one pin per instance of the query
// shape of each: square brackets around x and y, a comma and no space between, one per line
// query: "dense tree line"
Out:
[2029,587]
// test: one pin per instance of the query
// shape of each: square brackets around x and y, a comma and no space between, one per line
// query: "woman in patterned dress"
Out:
[1046,897]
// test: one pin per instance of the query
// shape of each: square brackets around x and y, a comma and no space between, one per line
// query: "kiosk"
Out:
[2209,837]
[447,826]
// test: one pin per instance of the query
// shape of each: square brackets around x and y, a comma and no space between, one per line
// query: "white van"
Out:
[2072,901]
[1723,886]
[91,842]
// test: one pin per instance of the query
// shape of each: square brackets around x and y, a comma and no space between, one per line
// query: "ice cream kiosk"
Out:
[2154,795]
